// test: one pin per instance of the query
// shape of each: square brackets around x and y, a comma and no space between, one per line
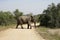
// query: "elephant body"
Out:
[25,20]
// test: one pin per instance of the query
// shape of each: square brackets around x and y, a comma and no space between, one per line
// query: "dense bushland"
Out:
[8,18]
[51,16]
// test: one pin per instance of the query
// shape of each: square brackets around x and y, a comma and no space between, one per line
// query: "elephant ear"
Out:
[32,18]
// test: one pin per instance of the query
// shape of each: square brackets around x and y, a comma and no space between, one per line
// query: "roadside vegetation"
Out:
[48,35]
[51,16]
[7,27]
[8,19]
[49,20]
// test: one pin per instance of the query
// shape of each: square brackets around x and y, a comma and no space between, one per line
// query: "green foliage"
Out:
[37,17]
[6,18]
[44,20]
[51,16]
[17,13]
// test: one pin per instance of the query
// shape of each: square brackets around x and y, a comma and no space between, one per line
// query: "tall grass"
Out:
[46,35]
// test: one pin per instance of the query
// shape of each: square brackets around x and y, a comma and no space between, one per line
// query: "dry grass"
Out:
[6,27]
[48,35]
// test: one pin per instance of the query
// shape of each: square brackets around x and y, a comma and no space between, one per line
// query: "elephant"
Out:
[26,20]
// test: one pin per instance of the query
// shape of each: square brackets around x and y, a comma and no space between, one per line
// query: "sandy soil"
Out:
[20,34]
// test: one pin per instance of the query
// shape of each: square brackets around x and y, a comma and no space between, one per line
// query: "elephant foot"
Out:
[27,28]
[16,27]
[22,27]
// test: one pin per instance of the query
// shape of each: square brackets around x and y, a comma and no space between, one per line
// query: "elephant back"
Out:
[25,18]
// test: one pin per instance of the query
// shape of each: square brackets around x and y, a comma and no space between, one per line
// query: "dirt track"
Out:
[20,34]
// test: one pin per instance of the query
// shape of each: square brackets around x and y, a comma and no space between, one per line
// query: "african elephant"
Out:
[25,20]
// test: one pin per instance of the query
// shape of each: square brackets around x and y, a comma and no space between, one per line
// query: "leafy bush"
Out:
[51,16]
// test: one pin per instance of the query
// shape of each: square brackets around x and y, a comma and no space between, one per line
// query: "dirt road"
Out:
[20,34]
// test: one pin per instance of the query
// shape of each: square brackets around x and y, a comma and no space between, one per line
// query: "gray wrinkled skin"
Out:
[25,20]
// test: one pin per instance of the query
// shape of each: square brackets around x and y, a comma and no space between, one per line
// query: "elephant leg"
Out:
[35,24]
[28,26]
[21,26]
[17,26]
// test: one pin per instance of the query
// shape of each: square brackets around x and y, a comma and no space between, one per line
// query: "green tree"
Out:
[53,13]
[17,13]
[6,18]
